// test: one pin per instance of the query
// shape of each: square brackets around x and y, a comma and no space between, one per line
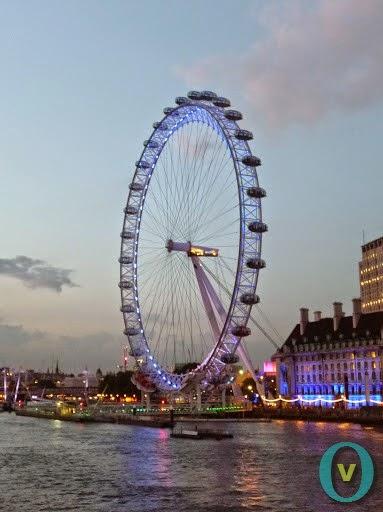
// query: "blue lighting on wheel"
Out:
[176,118]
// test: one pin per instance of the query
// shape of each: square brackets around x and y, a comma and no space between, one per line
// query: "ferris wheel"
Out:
[191,246]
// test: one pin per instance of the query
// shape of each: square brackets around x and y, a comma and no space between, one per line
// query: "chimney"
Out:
[304,320]
[356,311]
[338,314]
[317,316]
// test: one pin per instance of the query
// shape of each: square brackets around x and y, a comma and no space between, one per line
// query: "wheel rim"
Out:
[210,125]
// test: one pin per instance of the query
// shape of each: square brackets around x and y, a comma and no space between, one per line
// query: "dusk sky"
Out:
[81,84]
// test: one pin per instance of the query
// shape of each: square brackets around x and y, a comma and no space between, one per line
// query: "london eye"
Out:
[191,246]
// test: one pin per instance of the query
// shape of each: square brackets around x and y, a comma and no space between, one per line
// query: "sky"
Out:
[80,86]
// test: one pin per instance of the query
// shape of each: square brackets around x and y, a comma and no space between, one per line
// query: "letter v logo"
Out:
[346,475]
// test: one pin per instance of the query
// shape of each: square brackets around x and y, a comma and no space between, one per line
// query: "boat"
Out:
[198,434]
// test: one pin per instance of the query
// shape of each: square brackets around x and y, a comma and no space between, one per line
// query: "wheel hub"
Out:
[191,249]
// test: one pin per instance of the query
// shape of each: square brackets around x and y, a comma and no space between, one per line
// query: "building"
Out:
[371,276]
[78,385]
[340,355]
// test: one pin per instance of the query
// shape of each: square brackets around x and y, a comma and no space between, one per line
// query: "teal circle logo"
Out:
[326,472]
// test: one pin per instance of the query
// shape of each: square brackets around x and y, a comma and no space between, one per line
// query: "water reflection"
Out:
[115,468]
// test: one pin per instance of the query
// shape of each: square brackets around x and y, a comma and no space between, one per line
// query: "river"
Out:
[48,465]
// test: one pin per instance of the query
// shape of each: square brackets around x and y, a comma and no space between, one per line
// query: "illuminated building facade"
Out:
[371,276]
[333,357]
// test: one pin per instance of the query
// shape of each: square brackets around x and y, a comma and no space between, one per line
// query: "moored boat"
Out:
[198,433]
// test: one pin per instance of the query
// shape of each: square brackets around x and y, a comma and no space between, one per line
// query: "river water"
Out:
[48,465]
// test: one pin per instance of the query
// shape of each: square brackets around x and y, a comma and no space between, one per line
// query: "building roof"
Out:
[370,326]
[78,382]
[373,244]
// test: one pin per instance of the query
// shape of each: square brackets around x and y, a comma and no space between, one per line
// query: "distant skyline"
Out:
[81,84]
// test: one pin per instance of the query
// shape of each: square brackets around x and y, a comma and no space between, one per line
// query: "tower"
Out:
[371,276]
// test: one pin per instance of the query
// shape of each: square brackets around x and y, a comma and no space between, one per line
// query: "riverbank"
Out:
[89,417]
[368,416]
[371,417]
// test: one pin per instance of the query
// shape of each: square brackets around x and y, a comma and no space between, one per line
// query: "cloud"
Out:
[39,349]
[36,273]
[309,59]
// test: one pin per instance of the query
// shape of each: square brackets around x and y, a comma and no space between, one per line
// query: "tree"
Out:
[248,386]
[118,384]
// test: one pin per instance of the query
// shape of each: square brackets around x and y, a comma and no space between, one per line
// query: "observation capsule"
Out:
[125,285]
[243,135]
[241,330]
[169,110]
[255,263]
[137,187]
[127,235]
[125,260]
[141,164]
[158,125]
[181,100]
[233,115]
[257,227]
[132,331]
[128,308]
[256,192]
[194,95]
[131,210]
[151,143]
[221,102]
[251,161]
[249,299]
[230,358]
[208,95]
